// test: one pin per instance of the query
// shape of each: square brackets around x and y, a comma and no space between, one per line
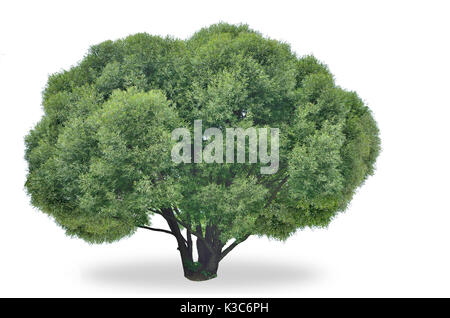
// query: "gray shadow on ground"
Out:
[163,275]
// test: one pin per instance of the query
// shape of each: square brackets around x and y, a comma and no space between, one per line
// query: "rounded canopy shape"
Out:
[100,158]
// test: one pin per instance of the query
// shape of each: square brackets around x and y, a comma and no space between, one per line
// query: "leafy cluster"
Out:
[99,160]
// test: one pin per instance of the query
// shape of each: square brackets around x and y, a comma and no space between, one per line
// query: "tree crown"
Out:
[99,160]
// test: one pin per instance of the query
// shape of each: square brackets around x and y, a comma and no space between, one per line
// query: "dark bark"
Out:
[203,252]
[208,257]
[232,246]
[183,248]
[209,247]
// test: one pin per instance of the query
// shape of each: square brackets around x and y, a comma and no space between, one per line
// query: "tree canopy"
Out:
[99,159]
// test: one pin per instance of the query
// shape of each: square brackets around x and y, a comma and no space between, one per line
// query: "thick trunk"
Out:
[184,247]
[209,248]
[201,271]
[208,261]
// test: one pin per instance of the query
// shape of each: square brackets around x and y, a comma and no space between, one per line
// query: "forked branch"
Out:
[171,216]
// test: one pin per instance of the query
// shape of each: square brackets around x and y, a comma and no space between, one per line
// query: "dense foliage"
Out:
[99,160]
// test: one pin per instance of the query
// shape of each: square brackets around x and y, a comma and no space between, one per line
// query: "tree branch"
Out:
[232,246]
[278,188]
[149,228]
[174,227]
[155,229]
[195,233]
[188,234]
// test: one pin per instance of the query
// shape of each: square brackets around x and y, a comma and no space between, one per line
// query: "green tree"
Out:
[99,160]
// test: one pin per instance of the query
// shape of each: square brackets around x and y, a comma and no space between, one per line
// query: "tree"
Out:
[99,159]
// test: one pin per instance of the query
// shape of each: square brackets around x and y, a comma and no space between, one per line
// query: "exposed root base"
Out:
[199,277]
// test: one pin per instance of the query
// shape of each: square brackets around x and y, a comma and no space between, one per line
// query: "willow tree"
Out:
[100,158]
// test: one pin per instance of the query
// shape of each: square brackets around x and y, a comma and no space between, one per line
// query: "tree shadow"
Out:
[165,275]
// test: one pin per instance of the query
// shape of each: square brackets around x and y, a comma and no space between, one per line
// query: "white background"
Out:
[393,240]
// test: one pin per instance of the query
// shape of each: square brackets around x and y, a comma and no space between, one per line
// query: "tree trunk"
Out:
[208,261]
[209,248]
[205,268]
